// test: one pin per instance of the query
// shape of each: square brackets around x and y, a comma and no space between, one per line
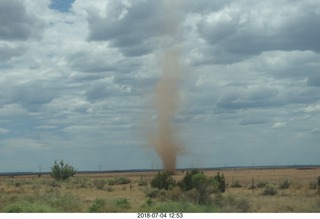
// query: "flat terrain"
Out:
[131,192]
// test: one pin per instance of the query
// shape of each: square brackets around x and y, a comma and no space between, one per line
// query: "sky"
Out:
[78,77]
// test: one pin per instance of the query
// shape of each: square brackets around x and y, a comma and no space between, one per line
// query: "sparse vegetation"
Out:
[84,193]
[119,181]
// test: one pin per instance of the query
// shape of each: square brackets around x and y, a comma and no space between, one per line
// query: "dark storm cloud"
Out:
[131,29]
[235,34]
[15,22]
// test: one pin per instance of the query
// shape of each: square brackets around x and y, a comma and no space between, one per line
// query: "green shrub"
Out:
[285,184]
[192,196]
[198,187]
[110,189]
[52,183]
[231,203]
[153,193]
[80,182]
[177,206]
[122,203]
[99,183]
[205,187]
[143,182]
[97,205]
[261,184]
[186,182]
[270,189]
[28,207]
[61,171]
[235,184]
[162,181]
[119,181]
[175,194]
[62,202]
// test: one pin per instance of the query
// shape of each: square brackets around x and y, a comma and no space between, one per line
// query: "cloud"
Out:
[279,125]
[15,21]
[10,50]
[244,28]
[252,120]
[133,28]
[29,95]
[4,131]
[100,90]
[22,144]
[314,80]
[79,84]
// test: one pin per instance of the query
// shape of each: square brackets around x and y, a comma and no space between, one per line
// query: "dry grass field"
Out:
[131,192]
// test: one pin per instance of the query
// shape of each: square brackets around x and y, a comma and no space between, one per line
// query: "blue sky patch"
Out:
[61,5]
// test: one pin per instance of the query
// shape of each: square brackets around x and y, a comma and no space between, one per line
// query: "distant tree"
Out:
[186,183]
[201,186]
[162,181]
[61,171]
[221,181]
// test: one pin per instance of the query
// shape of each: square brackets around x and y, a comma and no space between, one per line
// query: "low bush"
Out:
[119,181]
[28,207]
[97,205]
[160,194]
[99,183]
[285,184]
[175,194]
[231,203]
[122,203]
[270,189]
[142,182]
[261,184]
[205,187]
[235,184]
[44,202]
[177,206]
[80,182]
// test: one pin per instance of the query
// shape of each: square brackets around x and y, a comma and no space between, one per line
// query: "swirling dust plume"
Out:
[166,96]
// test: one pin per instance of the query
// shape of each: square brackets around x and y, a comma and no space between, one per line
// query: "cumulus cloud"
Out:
[277,125]
[133,28]
[15,21]
[244,28]
[80,77]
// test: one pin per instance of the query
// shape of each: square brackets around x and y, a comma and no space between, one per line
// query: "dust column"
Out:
[166,92]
